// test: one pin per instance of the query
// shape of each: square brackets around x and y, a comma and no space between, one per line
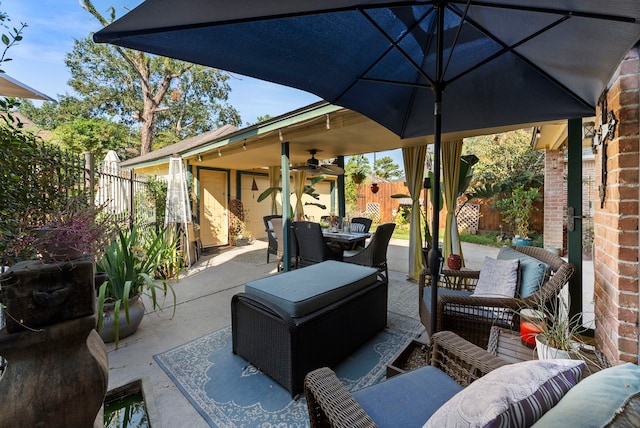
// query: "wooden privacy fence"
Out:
[488,218]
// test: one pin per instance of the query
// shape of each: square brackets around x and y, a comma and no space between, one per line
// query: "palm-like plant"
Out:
[133,262]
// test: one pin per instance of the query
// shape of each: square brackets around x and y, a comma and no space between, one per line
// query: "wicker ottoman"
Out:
[289,324]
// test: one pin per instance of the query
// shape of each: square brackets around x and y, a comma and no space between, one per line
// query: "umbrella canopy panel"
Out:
[505,61]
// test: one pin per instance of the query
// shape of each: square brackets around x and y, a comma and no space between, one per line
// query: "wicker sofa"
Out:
[473,316]
[467,386]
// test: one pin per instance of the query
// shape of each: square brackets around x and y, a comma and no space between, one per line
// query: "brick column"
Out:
[616,223]
[555,199]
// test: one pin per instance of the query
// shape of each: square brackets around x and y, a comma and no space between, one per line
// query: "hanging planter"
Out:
[358,177]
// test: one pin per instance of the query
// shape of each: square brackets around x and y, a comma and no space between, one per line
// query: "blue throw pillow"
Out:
[598,400]
[532,271]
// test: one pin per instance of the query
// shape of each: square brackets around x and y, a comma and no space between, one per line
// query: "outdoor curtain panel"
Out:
[274,180]
[414,158]
[451,152]
[299,180]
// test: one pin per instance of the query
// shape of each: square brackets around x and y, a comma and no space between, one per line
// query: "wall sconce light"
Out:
[199,158]
[219,153]
[554,163]
[588,130]
[374,188]
[280,135]
[538,133]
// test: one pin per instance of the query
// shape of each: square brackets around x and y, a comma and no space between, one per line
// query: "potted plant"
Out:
[517,209]
[134,263]
[76,230]
[358,176]
[557,335]
[238,232]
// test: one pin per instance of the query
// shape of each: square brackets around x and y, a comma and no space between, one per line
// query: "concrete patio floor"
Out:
[204,305]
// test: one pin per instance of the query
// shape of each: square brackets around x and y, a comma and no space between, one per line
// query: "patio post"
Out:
[341,204]
[574,220]
[286,203]
[434,261]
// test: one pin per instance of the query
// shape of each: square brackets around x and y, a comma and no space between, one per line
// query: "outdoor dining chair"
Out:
[312,248]
[366,222]
[375,254]
[276,221]
[272,248]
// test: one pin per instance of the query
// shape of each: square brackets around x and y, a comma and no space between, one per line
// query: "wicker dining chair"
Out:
[312,248]
[278,231]
[272,248]
[362,220]
[375,254]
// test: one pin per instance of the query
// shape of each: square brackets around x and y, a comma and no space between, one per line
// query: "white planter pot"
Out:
[546,352]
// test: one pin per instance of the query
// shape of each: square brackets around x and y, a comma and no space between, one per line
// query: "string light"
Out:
[219,153]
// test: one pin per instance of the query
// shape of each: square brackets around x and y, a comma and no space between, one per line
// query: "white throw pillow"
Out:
[498,278]
[515,395]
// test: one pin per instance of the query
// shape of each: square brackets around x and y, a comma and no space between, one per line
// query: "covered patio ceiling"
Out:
[334,131]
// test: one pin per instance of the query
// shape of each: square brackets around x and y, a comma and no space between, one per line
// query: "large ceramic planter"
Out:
[546,352]
[521,242]
[136,312]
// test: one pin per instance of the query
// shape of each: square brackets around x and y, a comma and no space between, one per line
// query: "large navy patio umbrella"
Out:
[416,67]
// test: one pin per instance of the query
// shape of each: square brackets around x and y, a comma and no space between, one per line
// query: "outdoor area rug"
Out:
[229,392]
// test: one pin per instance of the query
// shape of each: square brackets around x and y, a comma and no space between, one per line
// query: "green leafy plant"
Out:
[518,207]
[78,228]
[134,262]
[309,190]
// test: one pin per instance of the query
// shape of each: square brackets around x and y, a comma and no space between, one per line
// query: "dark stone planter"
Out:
[37,294]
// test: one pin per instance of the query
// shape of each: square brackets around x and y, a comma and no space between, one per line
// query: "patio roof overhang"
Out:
[554,135]
[333,130]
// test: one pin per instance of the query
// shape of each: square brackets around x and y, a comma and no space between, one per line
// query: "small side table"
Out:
[507,345]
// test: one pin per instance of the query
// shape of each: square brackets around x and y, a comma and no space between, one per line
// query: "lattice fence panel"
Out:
[373,212]
[469,218]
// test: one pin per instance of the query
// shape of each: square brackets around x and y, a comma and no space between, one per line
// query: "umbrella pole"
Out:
[435,258]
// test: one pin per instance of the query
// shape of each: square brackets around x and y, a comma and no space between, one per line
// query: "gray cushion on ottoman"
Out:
[302,291]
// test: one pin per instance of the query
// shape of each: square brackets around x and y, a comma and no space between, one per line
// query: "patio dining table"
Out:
[348,238]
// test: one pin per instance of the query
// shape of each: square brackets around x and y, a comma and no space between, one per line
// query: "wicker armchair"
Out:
[472,316]
[331,405]
[375,254]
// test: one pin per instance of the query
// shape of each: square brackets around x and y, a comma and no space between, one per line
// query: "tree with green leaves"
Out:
[506,160]
[168,99]
[386,168]
[355,164]
[9,38]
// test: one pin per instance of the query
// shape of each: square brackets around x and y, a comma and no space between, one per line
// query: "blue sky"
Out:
[38,60]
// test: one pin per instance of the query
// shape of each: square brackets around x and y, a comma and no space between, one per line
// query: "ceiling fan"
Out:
[314,166]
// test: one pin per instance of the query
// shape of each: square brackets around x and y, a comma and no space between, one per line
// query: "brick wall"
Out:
[555,198]
[616,223]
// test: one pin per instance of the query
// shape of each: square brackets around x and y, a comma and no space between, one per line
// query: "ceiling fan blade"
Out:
[331,169]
